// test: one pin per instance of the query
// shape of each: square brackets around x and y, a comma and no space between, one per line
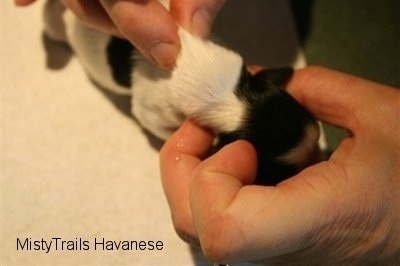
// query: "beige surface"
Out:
[73,165]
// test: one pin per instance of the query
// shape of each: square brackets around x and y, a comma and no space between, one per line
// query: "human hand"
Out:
[344,210]
[147,23]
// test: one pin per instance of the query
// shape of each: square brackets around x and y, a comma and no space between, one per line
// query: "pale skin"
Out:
[146,23]
[343,210]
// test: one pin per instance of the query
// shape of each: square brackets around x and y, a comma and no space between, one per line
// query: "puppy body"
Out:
[201,86]
[210,85]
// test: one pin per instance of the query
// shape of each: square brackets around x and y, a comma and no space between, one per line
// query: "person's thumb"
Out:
[196,16]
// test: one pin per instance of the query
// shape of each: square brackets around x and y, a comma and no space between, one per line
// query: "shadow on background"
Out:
[58,54]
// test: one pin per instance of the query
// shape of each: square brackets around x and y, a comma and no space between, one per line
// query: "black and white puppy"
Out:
[209,84]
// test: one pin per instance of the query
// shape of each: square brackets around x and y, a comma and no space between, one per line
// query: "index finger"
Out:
[149,26]
[179,156]
[341,99]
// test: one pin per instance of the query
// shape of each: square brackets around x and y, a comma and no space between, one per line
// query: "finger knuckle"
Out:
[217,239]
[184,228]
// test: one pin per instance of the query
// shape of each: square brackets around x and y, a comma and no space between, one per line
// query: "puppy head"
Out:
[283,132]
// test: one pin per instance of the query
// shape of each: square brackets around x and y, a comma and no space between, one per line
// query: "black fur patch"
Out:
[120,59]
[275,122]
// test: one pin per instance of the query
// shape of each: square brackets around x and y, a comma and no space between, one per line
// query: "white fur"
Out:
[206,76]
[201,86]
[300,154]
[88,44]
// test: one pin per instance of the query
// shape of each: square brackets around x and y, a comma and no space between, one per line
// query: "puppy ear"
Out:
[277,76]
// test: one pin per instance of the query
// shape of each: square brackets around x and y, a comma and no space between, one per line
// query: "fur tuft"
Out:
[203,83]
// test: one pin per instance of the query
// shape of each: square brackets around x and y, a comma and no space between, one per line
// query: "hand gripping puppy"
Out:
[210,85]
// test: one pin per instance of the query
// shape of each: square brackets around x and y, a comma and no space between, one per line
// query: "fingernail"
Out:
[164,54]
[201,22]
